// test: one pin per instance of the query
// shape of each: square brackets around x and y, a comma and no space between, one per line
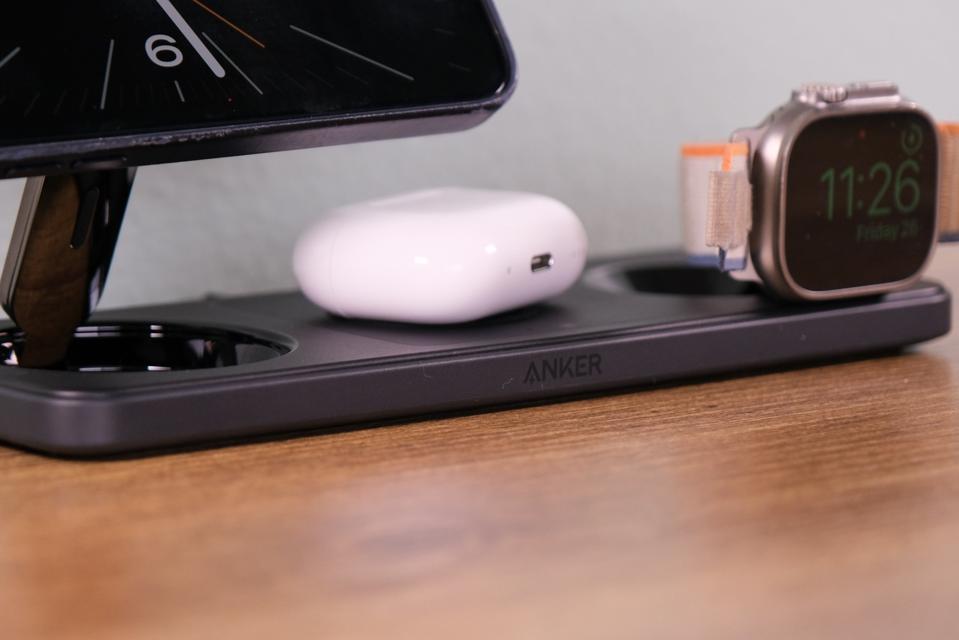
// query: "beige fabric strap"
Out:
[949,182]
[717,204]
[729,214]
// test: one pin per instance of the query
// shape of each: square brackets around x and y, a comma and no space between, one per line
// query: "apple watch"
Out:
[842,191]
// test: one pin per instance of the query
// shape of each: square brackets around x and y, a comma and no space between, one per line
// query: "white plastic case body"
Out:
[441,256]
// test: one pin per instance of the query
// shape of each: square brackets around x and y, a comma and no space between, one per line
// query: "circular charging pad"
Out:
[667,279]
[152,347]
[687,280]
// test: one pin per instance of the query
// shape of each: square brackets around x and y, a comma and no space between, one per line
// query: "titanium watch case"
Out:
[770,147]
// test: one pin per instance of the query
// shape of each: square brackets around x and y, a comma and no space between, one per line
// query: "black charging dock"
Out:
[75,382]
[224,369]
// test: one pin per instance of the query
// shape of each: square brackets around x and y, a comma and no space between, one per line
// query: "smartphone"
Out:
[113,83]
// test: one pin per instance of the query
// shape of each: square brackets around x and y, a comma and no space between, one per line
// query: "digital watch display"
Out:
[860,204]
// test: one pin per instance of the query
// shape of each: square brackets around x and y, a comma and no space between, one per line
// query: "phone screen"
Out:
[87,70]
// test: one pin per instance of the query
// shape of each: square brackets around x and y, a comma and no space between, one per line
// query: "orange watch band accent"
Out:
[949,181]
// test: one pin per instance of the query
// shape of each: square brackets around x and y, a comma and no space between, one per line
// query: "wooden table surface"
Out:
[819,502]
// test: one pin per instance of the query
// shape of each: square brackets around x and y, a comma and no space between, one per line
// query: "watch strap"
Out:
[949,182]
[717,204]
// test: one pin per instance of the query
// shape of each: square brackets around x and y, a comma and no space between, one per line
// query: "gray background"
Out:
[608,90]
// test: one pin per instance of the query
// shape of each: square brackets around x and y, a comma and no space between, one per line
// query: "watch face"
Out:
[861,200]
[72,70]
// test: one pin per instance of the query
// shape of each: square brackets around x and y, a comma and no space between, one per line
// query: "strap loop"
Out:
[717,204]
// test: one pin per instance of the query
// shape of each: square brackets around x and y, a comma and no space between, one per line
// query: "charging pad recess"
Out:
[223,369]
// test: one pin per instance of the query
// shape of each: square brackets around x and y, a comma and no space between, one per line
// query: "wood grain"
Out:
[820,502]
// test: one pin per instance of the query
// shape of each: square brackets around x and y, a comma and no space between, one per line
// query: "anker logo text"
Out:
[553,369]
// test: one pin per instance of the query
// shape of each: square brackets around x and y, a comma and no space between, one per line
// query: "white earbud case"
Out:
[441,256]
